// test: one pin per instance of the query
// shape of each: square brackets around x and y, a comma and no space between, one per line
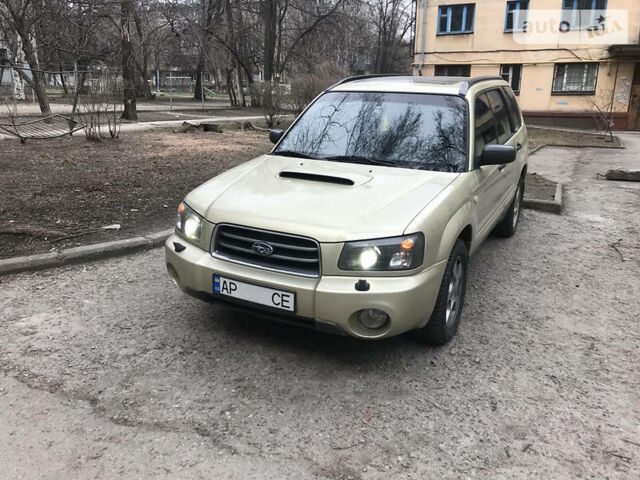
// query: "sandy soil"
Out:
[108,372]
[546,136]
[540,188]
[71,188]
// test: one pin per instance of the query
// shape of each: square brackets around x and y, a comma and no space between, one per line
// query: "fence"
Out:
[58,84]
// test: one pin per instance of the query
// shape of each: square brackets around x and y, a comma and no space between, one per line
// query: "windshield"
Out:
[425,132]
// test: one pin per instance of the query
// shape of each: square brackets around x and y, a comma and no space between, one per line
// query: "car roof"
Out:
[410,84]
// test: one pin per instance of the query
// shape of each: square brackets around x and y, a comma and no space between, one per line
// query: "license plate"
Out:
[269,297]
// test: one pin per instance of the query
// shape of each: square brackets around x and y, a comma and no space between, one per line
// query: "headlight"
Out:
[384,254]
[189,223]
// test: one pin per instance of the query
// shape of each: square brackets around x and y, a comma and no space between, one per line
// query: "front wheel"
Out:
[508,226]
[444,321]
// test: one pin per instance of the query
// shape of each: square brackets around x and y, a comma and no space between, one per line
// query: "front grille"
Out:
[291,254]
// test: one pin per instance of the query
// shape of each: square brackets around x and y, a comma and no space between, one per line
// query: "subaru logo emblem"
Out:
[263,248]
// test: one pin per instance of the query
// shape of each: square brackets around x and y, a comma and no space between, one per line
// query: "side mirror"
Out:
[497,155]
[275,135]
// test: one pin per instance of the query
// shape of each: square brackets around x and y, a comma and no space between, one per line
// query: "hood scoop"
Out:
[333,173]
[317,177]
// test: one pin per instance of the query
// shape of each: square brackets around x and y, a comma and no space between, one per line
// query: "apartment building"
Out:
[566,60]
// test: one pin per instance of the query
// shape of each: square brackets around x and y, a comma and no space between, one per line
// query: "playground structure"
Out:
[53,126]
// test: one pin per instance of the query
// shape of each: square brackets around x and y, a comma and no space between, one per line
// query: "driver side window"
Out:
[485,131]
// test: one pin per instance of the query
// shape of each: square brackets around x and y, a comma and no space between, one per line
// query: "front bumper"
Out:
[328,303]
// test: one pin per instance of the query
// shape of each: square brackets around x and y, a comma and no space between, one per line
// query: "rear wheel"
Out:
[444,321]
[508,226]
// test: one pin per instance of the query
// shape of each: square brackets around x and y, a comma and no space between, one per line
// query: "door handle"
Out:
[519,147]
[501,167]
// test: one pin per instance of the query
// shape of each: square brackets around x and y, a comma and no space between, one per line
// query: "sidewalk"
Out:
[163,104]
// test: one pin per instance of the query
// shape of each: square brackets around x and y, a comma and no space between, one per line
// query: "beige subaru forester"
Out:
[362,218]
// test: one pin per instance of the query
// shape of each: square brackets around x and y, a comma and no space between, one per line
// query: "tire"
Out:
[508,226]
[443,324]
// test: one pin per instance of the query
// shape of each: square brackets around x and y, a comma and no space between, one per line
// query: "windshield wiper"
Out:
[359,159]
[292,153]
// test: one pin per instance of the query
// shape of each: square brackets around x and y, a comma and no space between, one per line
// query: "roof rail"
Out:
[363,77]
[474,81]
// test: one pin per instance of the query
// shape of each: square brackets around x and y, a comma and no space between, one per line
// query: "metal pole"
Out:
[170,93]
[202,88]
[75,77]
[423,36]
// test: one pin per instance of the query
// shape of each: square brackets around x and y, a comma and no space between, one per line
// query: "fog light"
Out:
[373,319]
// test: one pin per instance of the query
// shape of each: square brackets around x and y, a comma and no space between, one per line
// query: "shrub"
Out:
[304,88]
[272,97]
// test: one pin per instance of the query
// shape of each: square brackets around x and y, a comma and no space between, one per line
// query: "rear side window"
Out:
[514,109]
[485,132]
[501,114]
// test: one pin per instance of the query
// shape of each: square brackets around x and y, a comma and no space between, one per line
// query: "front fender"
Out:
[445,218]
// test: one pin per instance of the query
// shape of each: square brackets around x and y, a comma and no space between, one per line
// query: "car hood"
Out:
[328,201]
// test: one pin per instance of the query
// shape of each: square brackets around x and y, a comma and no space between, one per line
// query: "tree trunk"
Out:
[217,75]
[238,84]
[41,94]
[269,17]
[128,66]
[65,89]
[233,100]
[79,88]
[18,85]
[36,81]
[197,94]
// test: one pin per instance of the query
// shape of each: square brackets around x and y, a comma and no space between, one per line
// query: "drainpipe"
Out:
[423,36]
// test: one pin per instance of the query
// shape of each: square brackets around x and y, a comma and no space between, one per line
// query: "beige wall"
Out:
[479,50]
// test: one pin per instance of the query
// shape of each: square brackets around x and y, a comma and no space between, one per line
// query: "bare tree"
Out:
[393,20]
[600,107]
[18,19]
[128,62]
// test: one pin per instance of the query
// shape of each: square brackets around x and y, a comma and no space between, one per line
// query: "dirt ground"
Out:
[546,136]
[107,371]
[61,192]
[539,187]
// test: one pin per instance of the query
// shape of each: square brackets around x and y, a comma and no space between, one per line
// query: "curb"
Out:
[85,253]
[602,147]
[538,148]
[554,206]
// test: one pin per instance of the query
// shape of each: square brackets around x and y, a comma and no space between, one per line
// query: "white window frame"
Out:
[585,78]
[509,73]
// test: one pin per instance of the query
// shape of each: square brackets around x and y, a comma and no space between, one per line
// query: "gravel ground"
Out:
[108,372]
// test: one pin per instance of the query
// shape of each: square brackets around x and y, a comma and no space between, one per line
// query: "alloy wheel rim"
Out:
[516,207]
[454,293]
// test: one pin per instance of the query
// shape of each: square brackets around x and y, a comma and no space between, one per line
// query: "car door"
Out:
[520,139]
[509,172]
[487,193]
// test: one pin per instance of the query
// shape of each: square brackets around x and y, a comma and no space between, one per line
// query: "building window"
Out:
[583,15]
[575,78]
[453,71]
[516,19]
[512,74]
[456,18]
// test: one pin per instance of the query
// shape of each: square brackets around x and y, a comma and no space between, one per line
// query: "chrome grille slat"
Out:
[275,244]
[291,254]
